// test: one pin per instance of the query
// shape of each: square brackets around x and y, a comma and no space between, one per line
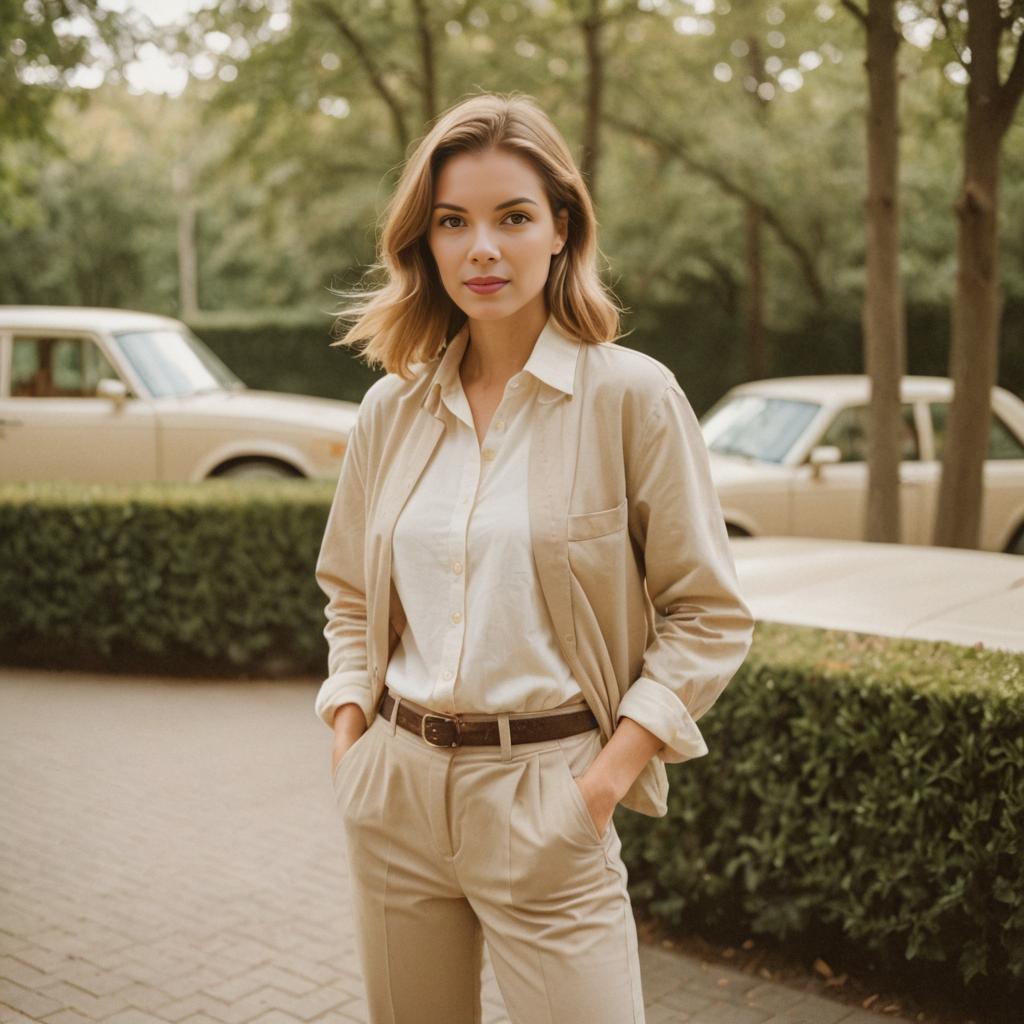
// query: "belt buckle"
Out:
[457,741]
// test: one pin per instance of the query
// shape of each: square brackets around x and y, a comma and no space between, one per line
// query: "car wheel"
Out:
[257,469]
[1016,546]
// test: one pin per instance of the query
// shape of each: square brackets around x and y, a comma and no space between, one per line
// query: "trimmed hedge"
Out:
[289,350]
[856,786]
[172,577]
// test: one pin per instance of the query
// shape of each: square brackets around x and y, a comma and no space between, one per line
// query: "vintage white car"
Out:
[103,395]
[899,590]
[788,457]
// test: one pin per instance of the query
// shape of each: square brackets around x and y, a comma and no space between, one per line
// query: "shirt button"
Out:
[456,567]
[513,383]
[488,453]
[500,424]
[456,616]
[448,674]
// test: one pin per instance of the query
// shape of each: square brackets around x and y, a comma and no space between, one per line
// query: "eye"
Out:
[525,220]
[448,217]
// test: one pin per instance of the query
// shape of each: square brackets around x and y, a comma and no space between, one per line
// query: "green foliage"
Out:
[170,577]
[870,786]
[289,350]
[286,351]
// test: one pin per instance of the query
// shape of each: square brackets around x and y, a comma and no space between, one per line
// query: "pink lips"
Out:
[486,285]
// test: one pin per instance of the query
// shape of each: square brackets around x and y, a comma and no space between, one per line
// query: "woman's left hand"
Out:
[610,775]
[600,799]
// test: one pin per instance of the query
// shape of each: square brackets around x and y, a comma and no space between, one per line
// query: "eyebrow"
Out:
[500,206]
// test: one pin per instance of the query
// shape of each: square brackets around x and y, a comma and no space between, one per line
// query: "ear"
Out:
[561,230]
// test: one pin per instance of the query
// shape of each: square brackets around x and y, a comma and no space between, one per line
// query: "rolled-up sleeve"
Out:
[340,573]
[704,628]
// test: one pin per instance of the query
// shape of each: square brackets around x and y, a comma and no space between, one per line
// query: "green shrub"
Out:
[870,786]
[183,577]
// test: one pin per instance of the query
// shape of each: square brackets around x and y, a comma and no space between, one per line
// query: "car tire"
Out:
[257,469]
[1016,546]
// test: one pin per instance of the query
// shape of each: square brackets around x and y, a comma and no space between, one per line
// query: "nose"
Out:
[483,248]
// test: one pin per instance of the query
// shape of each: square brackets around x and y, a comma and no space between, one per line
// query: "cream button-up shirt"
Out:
[478,638]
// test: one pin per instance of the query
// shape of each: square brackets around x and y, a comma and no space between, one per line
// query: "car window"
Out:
[849,433]
[57,368]
[174,362]
[1001,442]
[755,426]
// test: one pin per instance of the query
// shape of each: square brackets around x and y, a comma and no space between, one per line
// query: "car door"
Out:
[834,503]
[1002,476]
[53,426]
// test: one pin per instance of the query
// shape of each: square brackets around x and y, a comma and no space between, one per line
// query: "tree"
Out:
[884,318]
[976,30]
[51,48]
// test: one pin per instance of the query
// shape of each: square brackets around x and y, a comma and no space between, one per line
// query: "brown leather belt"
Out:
[452,731]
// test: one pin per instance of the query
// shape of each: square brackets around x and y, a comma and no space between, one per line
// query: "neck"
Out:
[499,349]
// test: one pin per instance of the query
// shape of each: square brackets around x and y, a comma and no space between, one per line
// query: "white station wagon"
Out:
[104,395]
[788,457]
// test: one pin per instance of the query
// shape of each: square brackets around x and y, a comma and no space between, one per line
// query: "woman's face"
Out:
[492,220]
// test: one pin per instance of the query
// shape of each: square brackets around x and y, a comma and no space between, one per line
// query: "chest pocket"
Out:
[587,525]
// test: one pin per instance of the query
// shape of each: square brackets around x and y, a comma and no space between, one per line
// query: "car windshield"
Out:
[756,427]
[175,362]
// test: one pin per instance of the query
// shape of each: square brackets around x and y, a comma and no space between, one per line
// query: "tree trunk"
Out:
[976,305]
[427,63]
[884,317]
[188,272]
[757,368]
[757,362]
[592,27]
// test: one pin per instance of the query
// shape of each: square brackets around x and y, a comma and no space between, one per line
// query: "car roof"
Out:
[903,590]
[843,387]
[83,318]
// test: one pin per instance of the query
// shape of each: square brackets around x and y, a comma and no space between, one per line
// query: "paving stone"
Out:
[8,1015]
[728,1013]
[67,1017]
[772,997]
[813,1009]
[32,1003]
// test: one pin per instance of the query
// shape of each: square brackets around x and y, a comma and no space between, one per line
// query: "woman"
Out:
[516,493]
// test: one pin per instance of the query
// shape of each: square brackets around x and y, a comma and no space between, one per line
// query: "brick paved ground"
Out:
[169,852]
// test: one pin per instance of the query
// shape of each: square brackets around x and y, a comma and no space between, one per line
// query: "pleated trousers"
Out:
[449,848]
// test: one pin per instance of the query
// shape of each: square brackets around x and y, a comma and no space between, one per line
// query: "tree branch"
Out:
[373,71]
[944,18]
[857,12]
[1010,91]
[730,187]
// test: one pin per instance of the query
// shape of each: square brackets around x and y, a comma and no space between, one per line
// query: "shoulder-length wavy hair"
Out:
[411,317]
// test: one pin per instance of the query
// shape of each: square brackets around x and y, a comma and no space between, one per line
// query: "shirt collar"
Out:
[552,362]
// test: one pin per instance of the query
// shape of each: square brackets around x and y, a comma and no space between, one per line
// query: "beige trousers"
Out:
[451,847]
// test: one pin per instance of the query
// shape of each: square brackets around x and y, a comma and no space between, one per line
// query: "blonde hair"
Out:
[410,317]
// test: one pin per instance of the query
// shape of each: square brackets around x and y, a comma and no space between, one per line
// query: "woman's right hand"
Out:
[349,725]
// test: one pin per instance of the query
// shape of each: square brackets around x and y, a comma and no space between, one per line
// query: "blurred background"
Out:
[227,164]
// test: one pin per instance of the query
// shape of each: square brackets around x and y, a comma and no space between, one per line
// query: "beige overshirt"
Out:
[627,534]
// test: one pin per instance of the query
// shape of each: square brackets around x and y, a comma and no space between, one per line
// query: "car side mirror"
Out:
[113,389]
[821,455]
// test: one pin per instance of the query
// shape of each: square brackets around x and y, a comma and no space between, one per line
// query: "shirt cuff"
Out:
[341,688]
[660,711]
